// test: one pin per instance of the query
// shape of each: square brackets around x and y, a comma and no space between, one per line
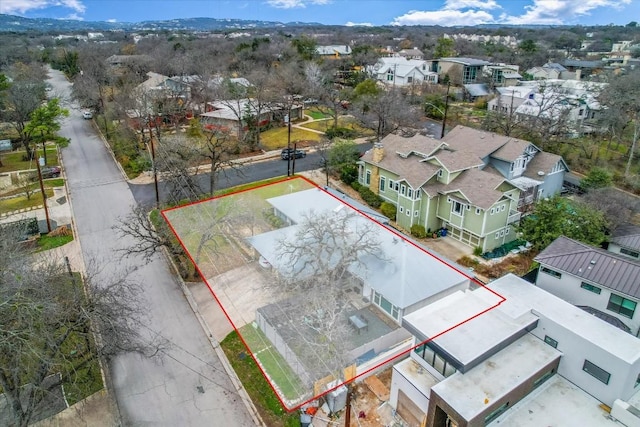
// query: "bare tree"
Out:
[177,161]
[50,318]
[220,151]
[618,207]
[386,112]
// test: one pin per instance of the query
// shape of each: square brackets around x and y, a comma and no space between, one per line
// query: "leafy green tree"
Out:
[306,47]
[342,158]
[45,122]
[597,178]
[444,48]
[528,46]
[558,216]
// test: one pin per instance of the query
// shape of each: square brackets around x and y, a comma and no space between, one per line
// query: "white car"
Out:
[87,115]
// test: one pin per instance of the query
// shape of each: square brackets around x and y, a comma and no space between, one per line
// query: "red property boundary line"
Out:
[403,238]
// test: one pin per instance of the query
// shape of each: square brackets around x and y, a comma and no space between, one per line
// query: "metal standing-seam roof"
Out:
[613,271]
[627,236]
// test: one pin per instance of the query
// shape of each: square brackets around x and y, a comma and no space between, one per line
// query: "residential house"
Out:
[334,51]
[550,70]
[510,353]
[392,281]
[473,92]
[413,53]
[509,98]
[229,116]
[460,70]
[399,71]
[503,74]
[605,283]
[567,106]
[583,69]
[475,184]
[626,241]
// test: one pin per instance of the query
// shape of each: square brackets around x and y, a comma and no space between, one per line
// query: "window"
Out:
[409,79]
[417,194]
[382,182]
[496,413]
[506,231]
[456,208]
[401,209]
[477,211]
[435,360]
[368,178]
[396,185]
[553,343]
[403,189]
[415,213]
[408,212]
[439,173]
[551,272]
[468,207]
[497,235]
[628,252]
[502,208]
[581,112]
[621,305]
[637,381]
[591,288]
[386,305]
[501,233]
[410,193]
[492,211]
[596,372]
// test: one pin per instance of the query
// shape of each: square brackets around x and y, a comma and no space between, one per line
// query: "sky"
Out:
[340,12]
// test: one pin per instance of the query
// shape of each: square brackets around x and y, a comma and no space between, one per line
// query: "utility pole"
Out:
[153,163]
[289,142]
[446,107]
[44,194]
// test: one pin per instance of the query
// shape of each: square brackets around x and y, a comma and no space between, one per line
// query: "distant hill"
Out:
[12,23]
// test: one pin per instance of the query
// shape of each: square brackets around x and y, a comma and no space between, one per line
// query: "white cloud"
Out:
[471,4]
[13,7]
[112,20]
[291,4]
[358,24]
[444,18]
[74,17]
[557,12]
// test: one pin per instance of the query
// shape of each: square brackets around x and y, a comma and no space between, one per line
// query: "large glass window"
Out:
[456,207]
[434,359]
[629,252]
[621,305]
[368,178]
[596,372]
[382,182]
[386,305]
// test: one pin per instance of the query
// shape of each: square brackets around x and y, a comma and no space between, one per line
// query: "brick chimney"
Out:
[378,153]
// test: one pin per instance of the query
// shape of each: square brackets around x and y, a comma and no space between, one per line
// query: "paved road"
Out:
[188,387]
[145,194]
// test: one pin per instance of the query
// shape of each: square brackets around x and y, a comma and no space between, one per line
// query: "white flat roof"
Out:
[466,326]
[471,392]
[556,402]
[523,297]
[419,377]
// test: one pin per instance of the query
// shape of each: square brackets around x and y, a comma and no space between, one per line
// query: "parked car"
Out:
[86,114]
[50,171]
[289,153]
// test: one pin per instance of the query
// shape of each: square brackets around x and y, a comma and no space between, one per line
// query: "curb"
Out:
[253,412]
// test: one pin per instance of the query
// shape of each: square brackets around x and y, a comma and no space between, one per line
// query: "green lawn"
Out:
[256,385]
[48,183]
[46,242]
[13,161]
[276,138]
[318,113]
[16,203]
[345,122]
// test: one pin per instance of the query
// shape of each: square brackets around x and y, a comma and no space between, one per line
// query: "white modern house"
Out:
[513,354]
[602,282]
[400,71]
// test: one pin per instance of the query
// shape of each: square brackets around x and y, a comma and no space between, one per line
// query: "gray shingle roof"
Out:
[481,143]
[510,151]
[616,272]
[544,162]
[477,186]
[455,161]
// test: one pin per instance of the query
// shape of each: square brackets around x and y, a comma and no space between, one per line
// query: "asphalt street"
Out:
[188,385]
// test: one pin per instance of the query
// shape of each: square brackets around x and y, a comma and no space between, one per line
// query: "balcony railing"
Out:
[514,216]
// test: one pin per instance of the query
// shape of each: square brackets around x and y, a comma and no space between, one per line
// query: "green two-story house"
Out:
[472,183]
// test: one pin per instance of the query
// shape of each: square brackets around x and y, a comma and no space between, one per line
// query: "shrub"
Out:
[349,174]
[371,198]
[340,132]
[597,178]
[477,251]
[356,186]
[418,231]
[388,210]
